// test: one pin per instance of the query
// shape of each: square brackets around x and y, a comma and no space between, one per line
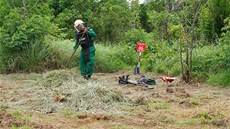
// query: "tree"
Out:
[188,26]
[25,23]
[115,19]
[212,19]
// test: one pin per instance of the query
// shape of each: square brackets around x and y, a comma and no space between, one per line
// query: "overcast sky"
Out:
[141,1]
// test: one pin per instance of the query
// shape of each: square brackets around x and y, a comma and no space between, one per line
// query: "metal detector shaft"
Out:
[75,50]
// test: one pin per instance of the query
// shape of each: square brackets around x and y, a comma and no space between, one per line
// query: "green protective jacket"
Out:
[92,36]
[87,52]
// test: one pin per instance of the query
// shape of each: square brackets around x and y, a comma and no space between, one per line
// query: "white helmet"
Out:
[77,22]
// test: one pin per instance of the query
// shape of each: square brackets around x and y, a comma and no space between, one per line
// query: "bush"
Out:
[220,79]
[33,56]
[62,51]
[113,58]
[133,36]
[162,58]
[210,60]
[21,32]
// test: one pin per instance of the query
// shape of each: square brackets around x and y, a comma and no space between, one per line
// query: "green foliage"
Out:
[225,39]
[115,19]
[65,21]
[174,31]
[110,19]
[207,25]
[162,58]
[113,58]
[28,28]
[164,25]
[191,122]
[220,10]
[26,25]
[61,53]
[33,56]
[220,79]
[224,42]
[157,6]
[211,118]
[135,35]
[212,19]
[212,63]
[4,11]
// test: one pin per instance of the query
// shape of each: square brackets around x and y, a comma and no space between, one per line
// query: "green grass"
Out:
[220,79]
[62,50]
[24,118]
[159,105]
[70,113]
[22,127]
[33,56]
[108,58]
[194,101]
[191,122]
[113,58]
[215,119]
[209,62]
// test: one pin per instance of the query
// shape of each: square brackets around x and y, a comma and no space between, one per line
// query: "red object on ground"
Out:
[140,47]
[168,79]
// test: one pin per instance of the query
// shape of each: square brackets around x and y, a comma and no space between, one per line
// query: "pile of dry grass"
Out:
[57,91]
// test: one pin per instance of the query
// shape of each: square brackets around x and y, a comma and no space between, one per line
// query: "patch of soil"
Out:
[8,121]
[186,104]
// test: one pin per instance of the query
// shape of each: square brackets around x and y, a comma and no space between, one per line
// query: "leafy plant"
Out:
[113,58]
[220,79]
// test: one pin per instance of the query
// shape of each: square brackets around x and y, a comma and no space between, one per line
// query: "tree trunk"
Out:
[187,60]
[181,44]
[187,46]
[193,39]
[181,60]
[190,61]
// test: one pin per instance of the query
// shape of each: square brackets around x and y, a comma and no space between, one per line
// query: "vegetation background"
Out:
[190,38]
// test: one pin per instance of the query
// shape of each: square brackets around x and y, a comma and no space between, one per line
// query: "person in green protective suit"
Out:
[85,38]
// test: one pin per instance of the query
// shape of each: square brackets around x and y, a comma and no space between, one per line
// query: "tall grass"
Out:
[108,58]
[113,58]
[209,62]
[38,57]
[33,56]
[222,78]
[212,63]
[162,58]
[63,50]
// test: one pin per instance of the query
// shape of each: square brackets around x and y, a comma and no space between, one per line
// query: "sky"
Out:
[141,1]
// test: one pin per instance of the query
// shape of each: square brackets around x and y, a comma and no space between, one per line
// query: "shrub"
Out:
[220,79]
[113,58]
[19,33]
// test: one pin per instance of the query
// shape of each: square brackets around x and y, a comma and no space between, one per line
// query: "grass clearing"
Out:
[62,99]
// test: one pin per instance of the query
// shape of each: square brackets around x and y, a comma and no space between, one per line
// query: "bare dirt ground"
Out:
[27,101]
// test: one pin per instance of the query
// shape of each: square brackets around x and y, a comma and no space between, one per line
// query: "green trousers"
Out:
[87,68]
